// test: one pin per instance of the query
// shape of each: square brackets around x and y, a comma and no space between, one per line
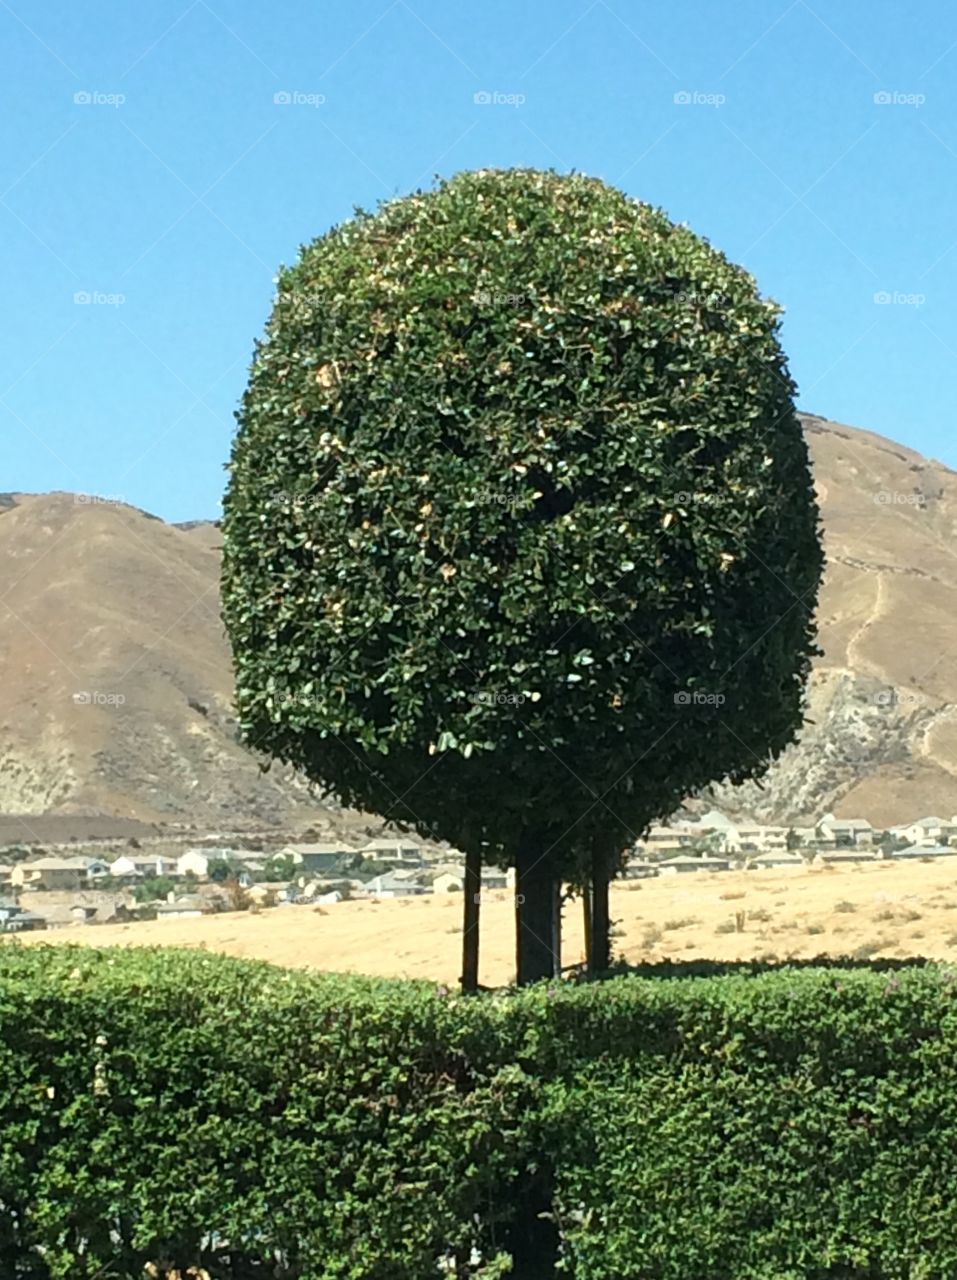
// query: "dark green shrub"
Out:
[733,1123]
[518,500]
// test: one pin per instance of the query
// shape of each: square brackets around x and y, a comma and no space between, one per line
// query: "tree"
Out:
[521,545]
[156,889]
[280,867]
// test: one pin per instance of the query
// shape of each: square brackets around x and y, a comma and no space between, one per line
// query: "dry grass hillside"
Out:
[883,909]
[116,679]
[103,600]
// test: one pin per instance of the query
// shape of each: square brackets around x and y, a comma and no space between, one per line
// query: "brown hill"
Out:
[116,683]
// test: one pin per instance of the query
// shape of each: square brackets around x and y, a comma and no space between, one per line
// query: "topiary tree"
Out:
[520,539]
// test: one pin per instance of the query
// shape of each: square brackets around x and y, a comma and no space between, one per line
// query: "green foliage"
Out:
[280,868]
[181,1109]
[154,889]
[518,493]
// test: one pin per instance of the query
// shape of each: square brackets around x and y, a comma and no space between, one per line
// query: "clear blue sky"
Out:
[180,184]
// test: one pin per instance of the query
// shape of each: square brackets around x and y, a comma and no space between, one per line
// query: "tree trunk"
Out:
[472,894]
[538,916]
[586,920]
[599,957]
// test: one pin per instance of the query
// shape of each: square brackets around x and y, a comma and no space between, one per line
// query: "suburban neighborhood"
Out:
[63,889]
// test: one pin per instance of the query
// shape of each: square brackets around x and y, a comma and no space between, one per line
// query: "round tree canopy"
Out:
[520,533]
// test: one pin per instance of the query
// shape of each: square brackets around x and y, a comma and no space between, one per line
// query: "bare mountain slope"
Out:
[115,677]
[883,742]
[116,683]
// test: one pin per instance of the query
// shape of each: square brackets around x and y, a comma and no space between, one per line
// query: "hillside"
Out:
[115,691]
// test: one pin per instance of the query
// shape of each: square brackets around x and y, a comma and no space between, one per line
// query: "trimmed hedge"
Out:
[162,1110]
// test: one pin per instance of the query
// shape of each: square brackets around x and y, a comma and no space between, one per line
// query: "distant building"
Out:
[755,838]
[14,919]
[400,852]
[139,866]
[394,884]
[193,862]
[452,880]
[928,831]
[186,906]
[663,840]
[640,869]
[776,858]
[317,858]
[835,856]
[58,873]
[925,851]
[684,863]
[845,832]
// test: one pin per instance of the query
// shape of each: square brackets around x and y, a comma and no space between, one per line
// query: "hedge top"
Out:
[519,496]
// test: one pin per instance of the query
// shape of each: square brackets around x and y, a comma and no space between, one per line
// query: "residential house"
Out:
[449,881]
[925,851]
[755,838]
[194,862]
[774,859]
[137,866]
[928,831]
[496,878]
[14,919]
[806,836]
[660,841]
[274,892]
[395,884]
[187,906]
[452,879]
[684,863]
[52,872]
[841,855]
[845,832]
[713,829]
[317,859]
[398,852]
[640,869]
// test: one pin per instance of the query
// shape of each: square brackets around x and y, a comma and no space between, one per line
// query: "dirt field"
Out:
[884,909]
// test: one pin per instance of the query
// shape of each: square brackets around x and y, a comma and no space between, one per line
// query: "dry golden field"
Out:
[881,909]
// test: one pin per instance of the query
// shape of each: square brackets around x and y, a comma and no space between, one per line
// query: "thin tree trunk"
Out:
[586,917]
[538,918]
[600,957]
[472,894]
